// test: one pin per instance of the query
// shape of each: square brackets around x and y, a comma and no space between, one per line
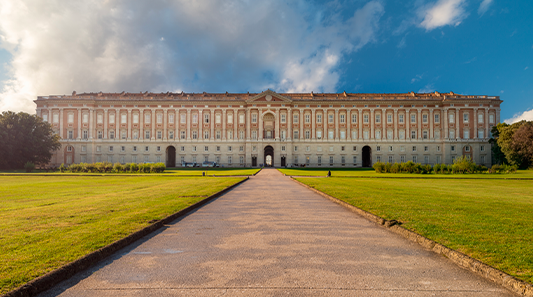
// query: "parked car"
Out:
[188,164]
[209,164]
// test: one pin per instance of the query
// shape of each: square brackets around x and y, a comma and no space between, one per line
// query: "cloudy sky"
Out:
[478,47]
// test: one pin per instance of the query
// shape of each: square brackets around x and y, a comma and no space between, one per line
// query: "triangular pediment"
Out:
[269,96]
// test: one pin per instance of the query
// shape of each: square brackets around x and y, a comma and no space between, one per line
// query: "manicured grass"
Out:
[48,221]
[369,172]
[490,220]
[168,171]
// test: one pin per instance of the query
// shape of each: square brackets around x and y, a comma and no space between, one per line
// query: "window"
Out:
[296,159]
[283,134]
[491,118]
[466,134]
[112,134]
[85,134]
[45,118]
[378,118]
[343,134]
[414,148]
[482,148]
[437,134]
[402,134]
[194,159]
[343,118]
[378,158]
[206,134]
[254,134]
[402,158]
[295,118]
[390,148]
[295,148]
[55,118]
[391,159]
[229,159]
[147,118]
[354,159]
[171,118]
[424,118]
[389,118]
[354,118]
[241,118]
[295,134]
[343,148]
[69,148]
[402,148]
[283,118]
[230,148]
[343,160]
[452,133]
[241,159]
[365,134]
[426,148]
[480,134]
[437,118]
[438,148]
[451,117]
[146,148]
[206,118]
[465,117]
[378,148]
[389,134]
[206,148]
[135,148]
[254,117]
[426,159]
[307,134]
[182,148]
[122,148]
[85,118]
[146,159]
[378,134]
[182,159]
[482,159]
[123,134]
[331,160]
[230,118]
[195,118]
[401,119]
[99,134]
[365,118]
[111,148]
[183,118]
[438,159]
[319,118]
[307,119]
[452,148]
[218,118]
[282,148]
[123,118]
[413,134]
[159,135]
[182,134]
[70,118]
[413,118]
[330,118]
[147,134]
[112,118]
[241,134]
[195,134]
[425,134]
[307,148]
[415,159]
[330,134]
[354,134]
[98,148]
[319,160]
[170,134]
[135,118]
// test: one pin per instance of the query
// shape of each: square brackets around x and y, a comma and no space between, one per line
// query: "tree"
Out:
[25,138]
[499,156]
[522,144]
[514,142]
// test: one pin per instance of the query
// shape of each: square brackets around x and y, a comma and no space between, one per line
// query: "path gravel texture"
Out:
[273,237]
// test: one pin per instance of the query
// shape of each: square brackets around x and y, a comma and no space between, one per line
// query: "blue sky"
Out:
[480,47]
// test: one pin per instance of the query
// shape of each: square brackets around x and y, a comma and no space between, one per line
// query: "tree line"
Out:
[513,144]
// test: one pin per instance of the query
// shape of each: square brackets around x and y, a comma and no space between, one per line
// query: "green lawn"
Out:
[168,171]
[490,220]
[48,221]
[369,172]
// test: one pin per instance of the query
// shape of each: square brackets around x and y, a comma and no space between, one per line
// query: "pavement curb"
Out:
[64,272]
[486,271]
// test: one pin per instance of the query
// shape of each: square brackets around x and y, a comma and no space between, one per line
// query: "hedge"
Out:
[107,167]
[460,165]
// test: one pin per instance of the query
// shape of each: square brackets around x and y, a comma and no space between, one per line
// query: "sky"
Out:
[474,47]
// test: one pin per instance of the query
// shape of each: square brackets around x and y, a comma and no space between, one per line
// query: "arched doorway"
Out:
[367,156]
[171,156]
[269,156]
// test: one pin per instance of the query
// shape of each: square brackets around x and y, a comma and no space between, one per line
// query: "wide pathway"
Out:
[273,237]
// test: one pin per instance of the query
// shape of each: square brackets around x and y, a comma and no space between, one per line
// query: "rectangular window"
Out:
[401,119]
[354,160]
[123,134]
[307,134]
[330,135]
[123,118]
[451,117]
[415,159]
[100,134]
[135,148]
[425,134]
[343,134]
[354,118]
[365,134]
[218,135]
[241,134]
[378,148]
[295,134]
[111,148]
[331,160]
[159,135]
[402,159]
[319,134]
[147,118]
[413,134]
[319,118]
[206,148]
[480,134]
[55,118]
[159,118]
[171,118]
[241,159]
[438,159]
[194,134]
[230,118]
[195,118]
[424,118]
[70,118]
[295,118]
[146,134]
[182,134]
[389,118]
[482,159]
[319,160]
[146,148]
[491,118]
[206,134]
[229,159]
[413,118]
[437,118]
[112,118]
[452,133]
[307,119]
[254,134]
[85,118]
[170,134]
[183,118]
[466,134]
[378,118]
[45,118]
[112,134]
[230,149]
[330,118]
[135,118]
[365,118]
[426,159]
[206,118]
[343,119]
[241,118]
[414,148]
[391,159]
[218,118]
[453,148]
[283,118]
[465,117]
[254,118]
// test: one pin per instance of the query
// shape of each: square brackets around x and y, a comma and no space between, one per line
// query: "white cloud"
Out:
[484,6]
[526,115]
[443,13]
[429,88]
[213,46]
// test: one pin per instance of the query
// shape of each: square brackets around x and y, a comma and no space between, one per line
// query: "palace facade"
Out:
[289,129]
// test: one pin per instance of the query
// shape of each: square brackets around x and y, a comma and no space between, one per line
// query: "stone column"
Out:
[141,124]
[260,131]
[372,119]
[289,125]
[153,122]
[337,120]
[212,123]
[165,121]
[200,124]
[177,116]
[395,121]
[129,119]
[487,125]
[313,126]
[301,123]
[188,122]
[117,124]
[419,123]
[91,122]
[277,123]
[348,124]
[235,124]
[408,124]
[360,124]
[475,121]
[248,122]
[79,124]
[61,123]
[224,124]
[445,123]
[383,123]
[106,115]
[431,120]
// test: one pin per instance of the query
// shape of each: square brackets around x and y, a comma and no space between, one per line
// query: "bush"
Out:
[378,166]
[29,166]
[62,167]
[461,165]
[117,168]
[134,167]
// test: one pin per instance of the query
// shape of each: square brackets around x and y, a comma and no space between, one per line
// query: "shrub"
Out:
[134,167]
[395,168]
[436,168]
[378,166]
[29,166]
[117,168]
[62,167]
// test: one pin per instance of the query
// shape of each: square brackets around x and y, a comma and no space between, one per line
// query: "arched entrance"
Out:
[367,156]
[171,156]
[269,156]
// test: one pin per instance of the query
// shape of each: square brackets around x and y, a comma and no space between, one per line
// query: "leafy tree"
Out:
[25,138]
[514,142]
[499,156]
[522,144]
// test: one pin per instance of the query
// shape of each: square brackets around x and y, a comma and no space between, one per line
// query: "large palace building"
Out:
[248,130]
